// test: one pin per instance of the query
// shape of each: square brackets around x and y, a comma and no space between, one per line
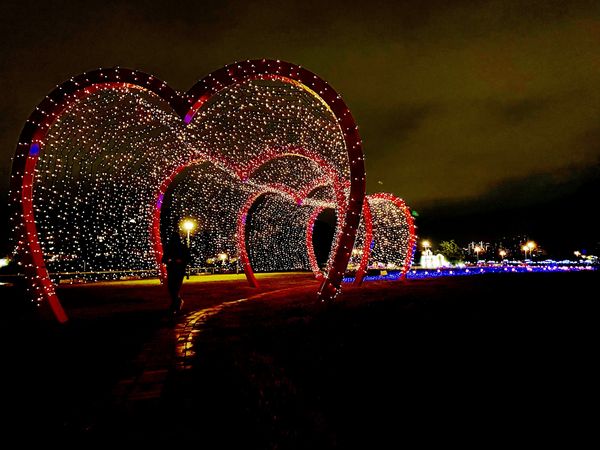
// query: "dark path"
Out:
[499,358]
[391,361]
[67,382]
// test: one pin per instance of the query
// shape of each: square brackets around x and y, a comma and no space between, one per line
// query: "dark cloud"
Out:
[553,208]
[400,123]
[518,111]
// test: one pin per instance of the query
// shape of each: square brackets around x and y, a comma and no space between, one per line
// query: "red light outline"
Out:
[186,106]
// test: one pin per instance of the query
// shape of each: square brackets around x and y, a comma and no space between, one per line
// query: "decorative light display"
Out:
[276,234]
[386,236]
[193,193]
[461,272]
[312,257]
[101,155]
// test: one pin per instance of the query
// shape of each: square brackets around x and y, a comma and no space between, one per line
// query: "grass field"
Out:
[494,355]
[489,359]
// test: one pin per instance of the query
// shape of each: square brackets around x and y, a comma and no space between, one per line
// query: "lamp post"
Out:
[426,246]
[531,246]
[223,258]
[477,250]
[502,254]
[188,225]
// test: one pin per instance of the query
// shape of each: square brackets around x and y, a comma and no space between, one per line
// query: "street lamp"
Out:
[222,257]
[531,246]
[577,253]
[426,246]
[188,225]
[525,248]
[502,254]
[477,250]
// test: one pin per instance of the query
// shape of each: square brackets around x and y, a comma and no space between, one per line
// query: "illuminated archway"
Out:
[308,181]
[386,233]
[77,136]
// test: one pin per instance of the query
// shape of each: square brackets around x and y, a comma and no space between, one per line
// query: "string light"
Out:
[458,271]
[100,155]
[386,236]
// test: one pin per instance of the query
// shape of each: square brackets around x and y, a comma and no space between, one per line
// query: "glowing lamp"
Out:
[188,225]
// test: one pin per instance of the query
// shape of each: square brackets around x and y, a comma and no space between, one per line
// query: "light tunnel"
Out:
[386,236]
[97,156]
[263,220]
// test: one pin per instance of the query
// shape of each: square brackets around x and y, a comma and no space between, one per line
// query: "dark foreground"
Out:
[498,358]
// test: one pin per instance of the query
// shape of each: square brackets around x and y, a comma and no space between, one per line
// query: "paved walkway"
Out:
[166,358]
[119,366]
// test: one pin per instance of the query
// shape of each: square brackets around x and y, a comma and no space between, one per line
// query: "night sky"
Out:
[484,116]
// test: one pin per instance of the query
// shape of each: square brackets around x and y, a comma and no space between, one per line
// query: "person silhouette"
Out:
[176,257]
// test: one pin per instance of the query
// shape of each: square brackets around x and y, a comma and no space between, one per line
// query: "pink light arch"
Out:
[368,218]
[33,137]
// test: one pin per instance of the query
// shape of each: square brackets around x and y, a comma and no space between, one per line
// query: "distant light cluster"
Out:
[466,271]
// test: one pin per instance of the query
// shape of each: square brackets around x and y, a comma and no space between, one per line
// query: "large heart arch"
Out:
[34,136]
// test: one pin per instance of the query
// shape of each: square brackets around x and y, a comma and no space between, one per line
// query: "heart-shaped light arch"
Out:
[402,213]
[33,138]
[299,196]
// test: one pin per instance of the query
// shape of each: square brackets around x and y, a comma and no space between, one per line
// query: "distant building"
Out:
[430,261]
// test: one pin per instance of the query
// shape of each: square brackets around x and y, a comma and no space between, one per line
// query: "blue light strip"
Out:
[422,274]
